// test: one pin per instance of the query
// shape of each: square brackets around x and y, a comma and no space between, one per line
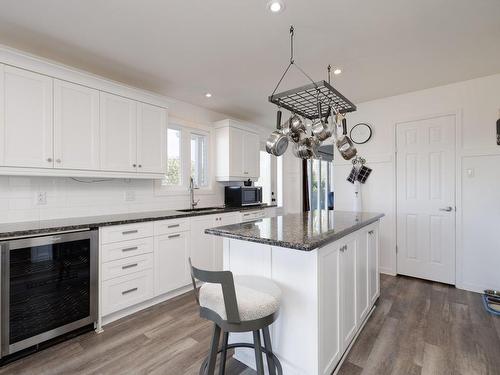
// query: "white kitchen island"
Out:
[326,264]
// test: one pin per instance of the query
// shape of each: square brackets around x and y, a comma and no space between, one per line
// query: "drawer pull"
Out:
[130,249]
[129,291]
[129,266]
[174,226]
[174,236]
[130,231]
[370,232]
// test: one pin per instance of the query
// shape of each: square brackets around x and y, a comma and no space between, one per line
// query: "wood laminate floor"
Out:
[419,327]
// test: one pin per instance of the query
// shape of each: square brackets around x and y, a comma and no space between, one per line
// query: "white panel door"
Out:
[151,139]
[236,153]
[118,133]
[426,198]
[171,254]
[251,155]
[76,126]
[27,124]
[202,244]
[348,292]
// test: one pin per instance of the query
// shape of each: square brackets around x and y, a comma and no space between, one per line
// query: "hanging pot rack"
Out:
[303,100]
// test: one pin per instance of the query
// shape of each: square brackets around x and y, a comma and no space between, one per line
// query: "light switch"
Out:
[470,172]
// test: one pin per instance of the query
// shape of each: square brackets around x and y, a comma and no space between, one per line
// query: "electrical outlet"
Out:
[41,198]
[130,196]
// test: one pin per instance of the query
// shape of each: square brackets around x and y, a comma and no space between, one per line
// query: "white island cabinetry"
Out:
[328,293]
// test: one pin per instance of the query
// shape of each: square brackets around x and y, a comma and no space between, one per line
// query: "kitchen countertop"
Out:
[302,231]
[31,228]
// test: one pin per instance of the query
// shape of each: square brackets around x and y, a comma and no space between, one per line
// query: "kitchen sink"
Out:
[201,209]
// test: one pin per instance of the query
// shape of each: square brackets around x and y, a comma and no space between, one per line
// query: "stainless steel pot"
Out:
[319,127]
[344,144]
[277,143]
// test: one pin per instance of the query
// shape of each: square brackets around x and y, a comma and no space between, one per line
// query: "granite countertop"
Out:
[303,231]
[31,228]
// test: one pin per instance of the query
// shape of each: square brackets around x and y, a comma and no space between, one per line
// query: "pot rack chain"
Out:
[292,62]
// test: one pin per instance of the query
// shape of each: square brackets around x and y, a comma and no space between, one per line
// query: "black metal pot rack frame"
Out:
[303,100]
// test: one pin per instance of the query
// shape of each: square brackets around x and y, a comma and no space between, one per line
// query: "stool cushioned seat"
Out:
[257,297]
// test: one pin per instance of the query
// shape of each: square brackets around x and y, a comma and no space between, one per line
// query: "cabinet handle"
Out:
[140,165]
[174,226]
[134,165]
[49,160]
[245,172]
[130,231]
[129,266]
[130,249]
[129,291]
[370,232]
[174,236]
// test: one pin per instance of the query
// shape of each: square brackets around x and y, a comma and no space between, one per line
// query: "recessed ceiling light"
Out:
[208,95]
[337,71]
[276,6]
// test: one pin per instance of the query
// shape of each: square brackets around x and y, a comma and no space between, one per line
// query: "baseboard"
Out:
[387,271]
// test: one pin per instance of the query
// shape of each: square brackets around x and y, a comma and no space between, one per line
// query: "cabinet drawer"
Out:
[126,232]
[171,226]
[125,249]
[127,266]
[126,291]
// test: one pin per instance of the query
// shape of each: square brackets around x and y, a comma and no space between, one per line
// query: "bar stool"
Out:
[237,304]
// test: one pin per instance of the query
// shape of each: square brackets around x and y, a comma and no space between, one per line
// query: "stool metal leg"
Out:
[214,347]
[225,339]
[267,344]
[258,353]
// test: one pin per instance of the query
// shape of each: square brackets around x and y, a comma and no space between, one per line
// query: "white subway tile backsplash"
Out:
[67,197]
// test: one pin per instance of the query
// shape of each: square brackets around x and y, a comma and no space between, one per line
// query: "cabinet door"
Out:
[348,291]
[251,155]
[151,139]
[171,262]
[224,219]
[202,244]
[27,125]
[236,152]
[373,264]
[76,126]
[362,298]
[118,133]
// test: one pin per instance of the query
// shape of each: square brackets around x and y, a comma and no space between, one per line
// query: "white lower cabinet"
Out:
[125,291]
[373,263]
[348,321]
[171,262]
[224,219]
[202,245]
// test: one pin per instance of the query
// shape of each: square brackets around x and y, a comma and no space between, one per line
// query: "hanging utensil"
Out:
[344,143]
[277,143]
[320,128]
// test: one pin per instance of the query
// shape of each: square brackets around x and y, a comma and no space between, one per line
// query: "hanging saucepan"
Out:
[277,142]
[306,148]
[296,128]
[344,143]
[320,127]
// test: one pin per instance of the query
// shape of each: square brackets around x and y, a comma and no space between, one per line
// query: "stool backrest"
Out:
[226,280]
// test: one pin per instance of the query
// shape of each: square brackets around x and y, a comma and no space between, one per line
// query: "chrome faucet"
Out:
[191,193]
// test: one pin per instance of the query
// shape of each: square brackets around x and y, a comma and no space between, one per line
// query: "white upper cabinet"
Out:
[151,139]
[118,133]
[251,155]
[76,126]
[27,122]
[238,152]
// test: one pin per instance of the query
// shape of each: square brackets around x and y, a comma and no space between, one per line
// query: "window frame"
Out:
[206,135]
[186,129]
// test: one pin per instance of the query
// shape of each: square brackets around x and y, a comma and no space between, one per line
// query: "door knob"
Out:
[447,209]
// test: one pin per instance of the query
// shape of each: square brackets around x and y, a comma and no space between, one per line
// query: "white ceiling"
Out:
[237,50]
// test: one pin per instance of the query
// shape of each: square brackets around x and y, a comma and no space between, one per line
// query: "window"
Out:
[271,179]
[319,178]
[199,162]
[174,170]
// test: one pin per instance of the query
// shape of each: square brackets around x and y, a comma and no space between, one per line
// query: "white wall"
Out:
[476,104]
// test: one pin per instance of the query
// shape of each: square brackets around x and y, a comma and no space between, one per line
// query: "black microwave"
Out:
[238,196]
